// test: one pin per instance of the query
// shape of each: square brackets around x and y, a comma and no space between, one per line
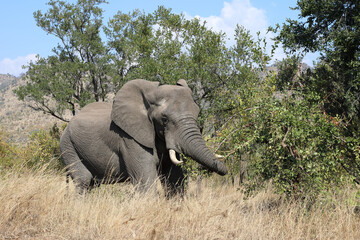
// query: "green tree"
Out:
[299,147]
[281,130]
[77,72]
[164,47]
[234,100]
[332,28]
[146,46]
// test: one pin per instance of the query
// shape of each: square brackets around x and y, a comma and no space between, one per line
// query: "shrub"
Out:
[9,153]
[43,150]
[286,137]
[301,149]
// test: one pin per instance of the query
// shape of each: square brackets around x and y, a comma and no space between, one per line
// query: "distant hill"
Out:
[6,81]
[17,119]
[274,67]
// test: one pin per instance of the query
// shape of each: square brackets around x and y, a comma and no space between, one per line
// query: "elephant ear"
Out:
[182,83]
[130,111]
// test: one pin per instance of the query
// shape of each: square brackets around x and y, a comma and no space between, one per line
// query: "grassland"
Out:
[40,206]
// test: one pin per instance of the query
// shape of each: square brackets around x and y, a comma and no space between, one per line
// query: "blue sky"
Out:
[21,39]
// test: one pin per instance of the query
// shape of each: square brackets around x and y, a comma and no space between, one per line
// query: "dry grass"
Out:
[40,206]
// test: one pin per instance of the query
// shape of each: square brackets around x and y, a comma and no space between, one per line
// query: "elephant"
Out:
[138,137]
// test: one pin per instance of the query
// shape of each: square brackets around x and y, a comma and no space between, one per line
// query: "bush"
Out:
[286,138]
[42,151]
[301,148]
[9,154]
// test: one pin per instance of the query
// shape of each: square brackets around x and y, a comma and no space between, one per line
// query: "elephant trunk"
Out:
[193,145]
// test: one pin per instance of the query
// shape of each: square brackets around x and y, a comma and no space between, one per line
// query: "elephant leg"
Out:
[141,166]
[145,180]
[81,176]
[173,181]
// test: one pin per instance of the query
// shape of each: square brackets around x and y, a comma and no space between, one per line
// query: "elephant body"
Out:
[134,137]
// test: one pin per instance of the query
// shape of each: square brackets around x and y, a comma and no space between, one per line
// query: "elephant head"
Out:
[148,111]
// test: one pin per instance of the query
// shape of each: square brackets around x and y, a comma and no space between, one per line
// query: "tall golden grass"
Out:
[40,206]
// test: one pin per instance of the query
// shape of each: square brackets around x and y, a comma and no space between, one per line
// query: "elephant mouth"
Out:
[174,157]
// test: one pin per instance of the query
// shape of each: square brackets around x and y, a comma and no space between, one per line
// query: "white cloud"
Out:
[242,12]
[14,66]
[238,12]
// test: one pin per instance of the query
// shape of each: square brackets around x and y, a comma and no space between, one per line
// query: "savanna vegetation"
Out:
[40,206]
[290,135]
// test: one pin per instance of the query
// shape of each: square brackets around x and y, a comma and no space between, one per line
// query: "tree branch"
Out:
[47,110]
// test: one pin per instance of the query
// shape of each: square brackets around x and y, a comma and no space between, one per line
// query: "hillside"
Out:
[17,119]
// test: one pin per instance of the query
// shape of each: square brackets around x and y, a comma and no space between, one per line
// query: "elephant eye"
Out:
[164,120]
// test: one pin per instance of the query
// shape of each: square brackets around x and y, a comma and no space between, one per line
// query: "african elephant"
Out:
[139,136]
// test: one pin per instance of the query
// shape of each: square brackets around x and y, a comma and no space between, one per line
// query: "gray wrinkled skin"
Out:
[131,138]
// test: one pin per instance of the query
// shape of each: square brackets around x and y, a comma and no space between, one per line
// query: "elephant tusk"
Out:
[173,157]
[219,156]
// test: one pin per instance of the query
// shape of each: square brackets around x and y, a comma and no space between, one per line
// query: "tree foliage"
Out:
[330,91]
[332,28]
[299,147]
[76,73]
